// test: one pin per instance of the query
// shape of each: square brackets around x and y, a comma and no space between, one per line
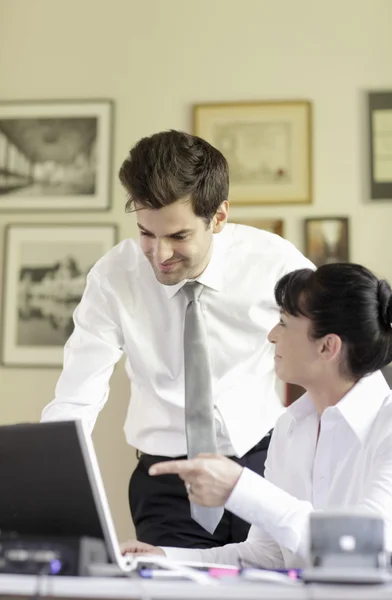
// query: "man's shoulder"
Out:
[249,235]
[266,247]
[258,241]
[124,257]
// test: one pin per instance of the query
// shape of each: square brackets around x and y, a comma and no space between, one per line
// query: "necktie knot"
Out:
[192,290]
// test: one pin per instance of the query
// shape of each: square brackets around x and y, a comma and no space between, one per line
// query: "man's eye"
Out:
[282,323]
[145,233]
[179,237]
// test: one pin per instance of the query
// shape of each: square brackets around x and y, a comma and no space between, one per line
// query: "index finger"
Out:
[174,467]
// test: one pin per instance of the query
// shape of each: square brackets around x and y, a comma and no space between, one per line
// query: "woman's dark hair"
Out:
[172,165]
[349,301]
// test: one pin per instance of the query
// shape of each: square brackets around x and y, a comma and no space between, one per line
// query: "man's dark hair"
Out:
[172,165]
[349,301]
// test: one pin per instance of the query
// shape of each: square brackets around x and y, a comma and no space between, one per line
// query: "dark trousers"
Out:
[160,506]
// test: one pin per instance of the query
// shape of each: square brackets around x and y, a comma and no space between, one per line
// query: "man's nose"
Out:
[163,251]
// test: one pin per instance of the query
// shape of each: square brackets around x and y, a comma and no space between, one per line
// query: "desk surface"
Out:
[115,588]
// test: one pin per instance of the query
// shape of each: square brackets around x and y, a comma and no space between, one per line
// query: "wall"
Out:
[155,59]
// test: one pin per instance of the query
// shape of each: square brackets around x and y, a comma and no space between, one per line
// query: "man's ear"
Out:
[220,218]
[330,347]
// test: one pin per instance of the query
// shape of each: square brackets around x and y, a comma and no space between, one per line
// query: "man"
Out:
[201,367]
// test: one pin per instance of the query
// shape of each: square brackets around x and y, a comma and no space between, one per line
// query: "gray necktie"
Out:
[199,414]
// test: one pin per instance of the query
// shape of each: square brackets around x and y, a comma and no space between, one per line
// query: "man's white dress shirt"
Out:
[125,309]
[349,468]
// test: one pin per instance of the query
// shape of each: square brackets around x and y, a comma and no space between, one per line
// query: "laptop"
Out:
[50,484]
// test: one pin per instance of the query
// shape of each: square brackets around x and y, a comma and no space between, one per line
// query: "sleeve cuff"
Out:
[244,500]
[261,503]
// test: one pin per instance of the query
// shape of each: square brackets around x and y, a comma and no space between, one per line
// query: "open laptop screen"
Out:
[50,483]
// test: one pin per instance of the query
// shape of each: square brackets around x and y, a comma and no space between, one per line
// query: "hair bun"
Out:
[385,302]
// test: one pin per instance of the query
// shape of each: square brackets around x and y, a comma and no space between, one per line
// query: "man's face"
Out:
[176,242]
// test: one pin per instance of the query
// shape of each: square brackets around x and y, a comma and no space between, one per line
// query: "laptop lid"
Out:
[50,484]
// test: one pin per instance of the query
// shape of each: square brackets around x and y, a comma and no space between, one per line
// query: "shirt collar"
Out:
[359,407]
[212,275]
[302,408]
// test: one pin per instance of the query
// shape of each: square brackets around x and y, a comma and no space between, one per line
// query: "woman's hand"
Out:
[209,478]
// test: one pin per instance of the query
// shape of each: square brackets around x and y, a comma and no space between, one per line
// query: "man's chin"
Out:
[169,278]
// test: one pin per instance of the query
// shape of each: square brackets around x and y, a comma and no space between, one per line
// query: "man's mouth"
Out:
[164,267]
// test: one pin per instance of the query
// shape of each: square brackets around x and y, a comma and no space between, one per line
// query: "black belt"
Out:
[151,459]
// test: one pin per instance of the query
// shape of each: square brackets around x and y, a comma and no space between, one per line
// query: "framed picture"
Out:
[55,155]
[272,225]
[45,268]
[380,130]
[326,240]
[267,146]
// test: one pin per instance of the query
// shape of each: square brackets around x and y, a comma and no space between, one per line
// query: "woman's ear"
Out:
[331,346]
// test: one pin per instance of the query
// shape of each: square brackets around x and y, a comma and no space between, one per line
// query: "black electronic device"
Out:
[34,555]
[51,491]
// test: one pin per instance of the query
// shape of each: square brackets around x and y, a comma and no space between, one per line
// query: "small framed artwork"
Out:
[45,268]
[326,240]
[272,225]
[55,156]
[380,134]
[267,145]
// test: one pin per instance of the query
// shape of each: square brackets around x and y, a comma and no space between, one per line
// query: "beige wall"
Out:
[155,58]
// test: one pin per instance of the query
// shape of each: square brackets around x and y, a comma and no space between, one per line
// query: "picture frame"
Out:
[55,155]
[45,268]
[268,146]
[272,225]
[380,144]
[327,239]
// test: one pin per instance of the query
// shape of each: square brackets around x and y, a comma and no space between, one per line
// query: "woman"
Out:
[333,447]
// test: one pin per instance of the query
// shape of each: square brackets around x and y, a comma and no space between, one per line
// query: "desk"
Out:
[79,588]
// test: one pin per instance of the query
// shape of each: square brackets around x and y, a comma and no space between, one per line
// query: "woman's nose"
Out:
[272,335]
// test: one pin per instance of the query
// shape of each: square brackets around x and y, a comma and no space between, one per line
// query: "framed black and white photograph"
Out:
[380,134]
[55,155]
[45,269]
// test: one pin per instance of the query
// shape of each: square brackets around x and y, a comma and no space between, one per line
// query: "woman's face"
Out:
[297,356]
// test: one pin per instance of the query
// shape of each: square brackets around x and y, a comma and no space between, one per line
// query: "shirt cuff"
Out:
[244,500]
[261,503]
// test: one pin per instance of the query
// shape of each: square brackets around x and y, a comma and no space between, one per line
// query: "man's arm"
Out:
[258,550]
[90,355]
